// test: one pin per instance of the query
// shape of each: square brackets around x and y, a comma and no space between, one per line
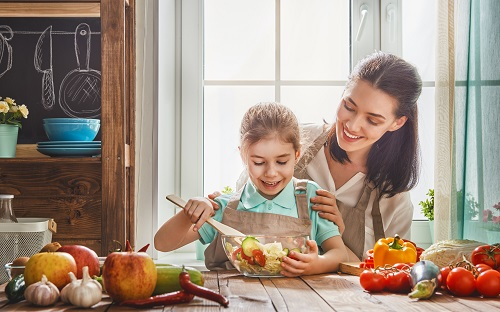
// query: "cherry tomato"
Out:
[234,255]
[372,281]
[247,258]
[442,277]
[259,257]
[461,282]
[481,267]
[398,282]
[488,283]
[402,266]
[486,254]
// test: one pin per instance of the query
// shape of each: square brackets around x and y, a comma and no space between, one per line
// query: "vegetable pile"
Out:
[478,277]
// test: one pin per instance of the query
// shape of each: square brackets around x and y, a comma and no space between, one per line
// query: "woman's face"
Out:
[270,164]
[364,115]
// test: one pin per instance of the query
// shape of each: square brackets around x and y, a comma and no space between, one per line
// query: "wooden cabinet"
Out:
[90,198]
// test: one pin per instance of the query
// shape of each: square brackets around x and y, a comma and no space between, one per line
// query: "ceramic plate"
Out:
[90,145]
[81,151]
[47,143]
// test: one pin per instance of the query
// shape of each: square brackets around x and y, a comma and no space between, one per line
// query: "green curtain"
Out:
[476,136]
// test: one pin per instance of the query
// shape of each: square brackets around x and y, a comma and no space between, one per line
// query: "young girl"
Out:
[269,147]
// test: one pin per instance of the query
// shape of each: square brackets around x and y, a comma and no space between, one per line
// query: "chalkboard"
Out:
[53,65]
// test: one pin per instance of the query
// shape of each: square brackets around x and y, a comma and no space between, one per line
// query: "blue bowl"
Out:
[59,131]
[70,120]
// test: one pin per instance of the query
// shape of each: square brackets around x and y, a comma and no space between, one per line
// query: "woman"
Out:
[368,160]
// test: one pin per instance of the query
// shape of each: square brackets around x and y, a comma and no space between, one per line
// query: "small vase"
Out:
[8,140]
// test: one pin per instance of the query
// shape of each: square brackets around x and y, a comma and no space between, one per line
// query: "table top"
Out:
[324,292]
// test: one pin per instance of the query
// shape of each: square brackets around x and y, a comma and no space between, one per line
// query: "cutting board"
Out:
[351,268]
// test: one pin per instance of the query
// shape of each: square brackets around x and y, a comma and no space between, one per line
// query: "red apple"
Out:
[84,256]
[54,265]
[129,275]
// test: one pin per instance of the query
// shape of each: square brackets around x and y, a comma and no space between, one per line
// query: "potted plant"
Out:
[428,210]
[10,123]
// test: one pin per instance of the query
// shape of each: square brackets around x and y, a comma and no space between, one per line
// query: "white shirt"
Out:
[397,211]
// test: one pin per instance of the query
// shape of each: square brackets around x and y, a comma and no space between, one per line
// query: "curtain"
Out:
[467,184]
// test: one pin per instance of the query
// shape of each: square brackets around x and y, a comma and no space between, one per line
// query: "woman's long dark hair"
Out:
[394,160]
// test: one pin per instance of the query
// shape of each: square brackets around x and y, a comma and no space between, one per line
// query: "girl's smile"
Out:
[270,164]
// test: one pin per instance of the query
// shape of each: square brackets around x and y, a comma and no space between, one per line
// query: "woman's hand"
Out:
[297,264]
[326,204]
[198,210]
[211,198]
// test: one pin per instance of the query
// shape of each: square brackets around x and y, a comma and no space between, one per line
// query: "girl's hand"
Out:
[297,264]
[211,199]
[326,204]
[198,210]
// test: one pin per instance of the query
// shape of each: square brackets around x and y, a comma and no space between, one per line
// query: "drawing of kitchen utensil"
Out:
[5,49]
[43,63]
[80,91]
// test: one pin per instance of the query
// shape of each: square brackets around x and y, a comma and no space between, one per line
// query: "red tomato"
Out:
[372,281]
[398,282]
[486,254]
[488,283]
[247,258]
[461,282]
[402,266]
[235,253]
[259,257]
[481,267]
[442,277]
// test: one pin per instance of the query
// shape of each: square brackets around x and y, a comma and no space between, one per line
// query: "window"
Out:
[236,53]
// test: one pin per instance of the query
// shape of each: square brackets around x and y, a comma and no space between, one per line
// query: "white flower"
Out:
[4,107]
[24,111]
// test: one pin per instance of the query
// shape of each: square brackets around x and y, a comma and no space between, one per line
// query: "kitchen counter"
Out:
[325,292]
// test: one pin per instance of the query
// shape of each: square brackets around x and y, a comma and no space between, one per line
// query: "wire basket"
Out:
[23,239]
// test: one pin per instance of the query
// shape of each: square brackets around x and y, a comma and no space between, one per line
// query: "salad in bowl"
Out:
[261,255]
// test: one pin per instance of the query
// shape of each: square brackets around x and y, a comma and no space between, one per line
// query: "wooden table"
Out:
[325,292]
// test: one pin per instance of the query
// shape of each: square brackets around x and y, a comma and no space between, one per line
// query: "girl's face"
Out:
[270,164]
[364,115]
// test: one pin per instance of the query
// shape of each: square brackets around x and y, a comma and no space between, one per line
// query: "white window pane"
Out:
[314,39]
[426,132]
[224,109]
[419,29]
[312,104]
[239,39]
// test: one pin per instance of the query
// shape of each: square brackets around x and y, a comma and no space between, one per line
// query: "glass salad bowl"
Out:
[260,255]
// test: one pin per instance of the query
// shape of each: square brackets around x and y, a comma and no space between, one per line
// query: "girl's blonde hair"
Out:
[268,119]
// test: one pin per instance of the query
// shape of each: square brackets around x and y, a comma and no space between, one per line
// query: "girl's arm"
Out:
[175,233]
[182,228]
[313,263]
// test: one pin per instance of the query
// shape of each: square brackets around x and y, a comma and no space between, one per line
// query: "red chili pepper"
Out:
[200,291]
[143,249]
[160,300]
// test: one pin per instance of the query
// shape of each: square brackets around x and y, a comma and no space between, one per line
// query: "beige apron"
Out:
[354,217]
[255,223]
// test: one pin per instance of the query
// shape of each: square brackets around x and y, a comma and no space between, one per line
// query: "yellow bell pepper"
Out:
[392,250]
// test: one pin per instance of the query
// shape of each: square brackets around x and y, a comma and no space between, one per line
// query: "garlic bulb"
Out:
[67,289]
[85,292]
[42,293]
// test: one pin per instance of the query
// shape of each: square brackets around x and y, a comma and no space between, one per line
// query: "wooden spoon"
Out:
[221,228]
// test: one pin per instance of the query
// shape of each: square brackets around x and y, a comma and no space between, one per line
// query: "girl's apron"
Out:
[354,217]
[255,223]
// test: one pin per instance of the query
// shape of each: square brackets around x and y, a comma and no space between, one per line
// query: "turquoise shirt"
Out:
[284,204]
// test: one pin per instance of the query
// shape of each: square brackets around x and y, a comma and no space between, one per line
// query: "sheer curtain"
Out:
[467,183]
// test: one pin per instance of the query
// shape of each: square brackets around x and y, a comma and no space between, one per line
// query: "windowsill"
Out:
[183,258]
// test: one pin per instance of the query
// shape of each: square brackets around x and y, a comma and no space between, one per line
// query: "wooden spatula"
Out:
[221,228]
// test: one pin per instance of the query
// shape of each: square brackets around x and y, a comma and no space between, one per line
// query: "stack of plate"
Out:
[70,148]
